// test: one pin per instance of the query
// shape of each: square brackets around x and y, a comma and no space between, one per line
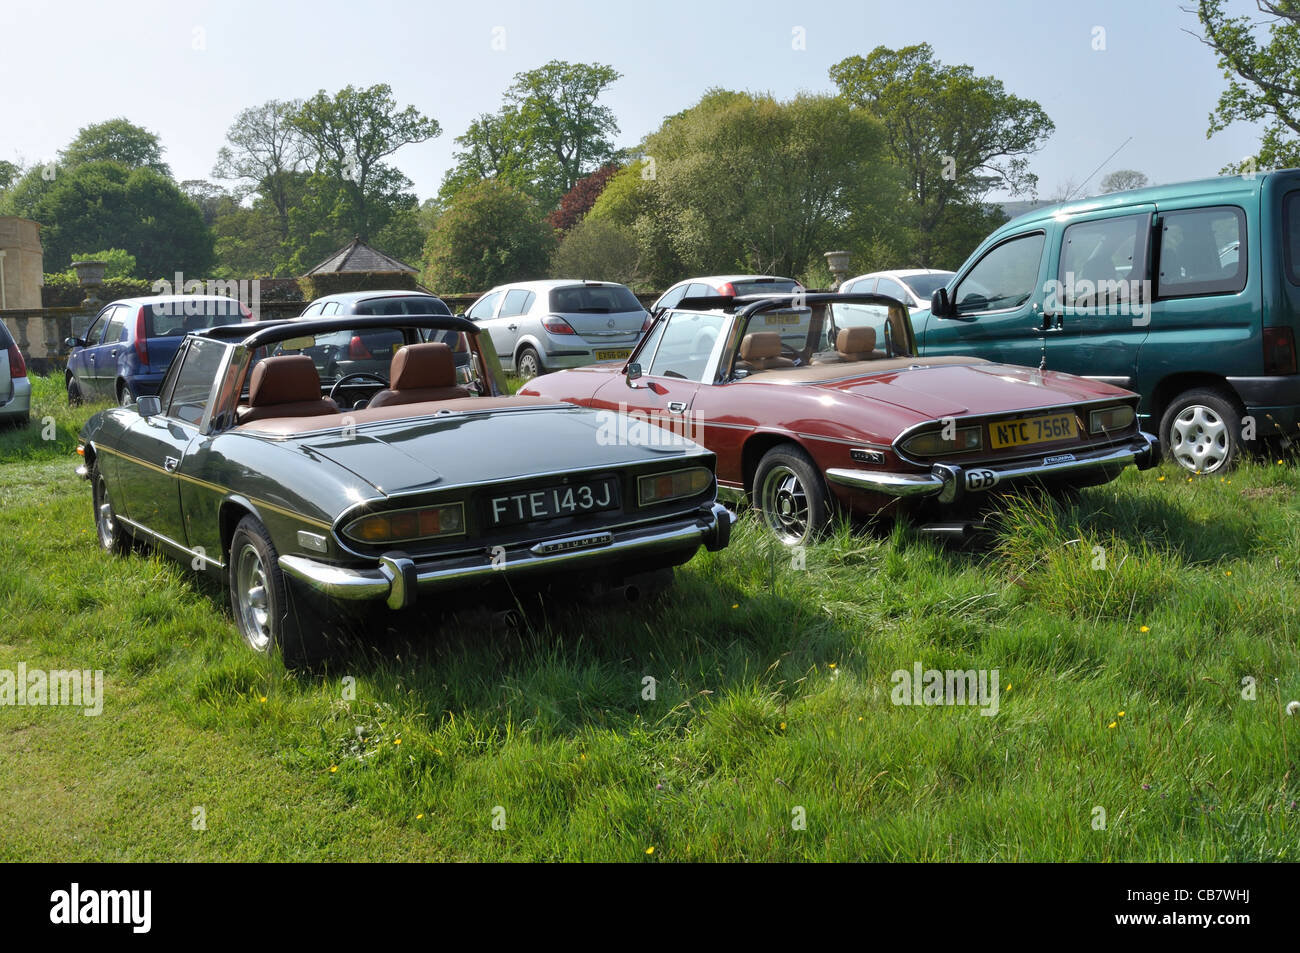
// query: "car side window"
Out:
[1202,252]
[516,303]
[95,333]
[485,307]
[685,345]
[193,386]
[1100,260]
[115,333]
[1004,279]
[672,296]
[887,286]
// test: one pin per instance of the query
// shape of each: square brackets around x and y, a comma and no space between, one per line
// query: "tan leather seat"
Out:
[421,372]
[856,344]
[761,351]
[286,386]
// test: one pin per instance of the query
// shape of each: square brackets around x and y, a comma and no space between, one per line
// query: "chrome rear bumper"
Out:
[949,482]
[398,578]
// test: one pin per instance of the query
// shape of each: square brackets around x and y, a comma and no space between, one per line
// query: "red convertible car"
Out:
[817,402]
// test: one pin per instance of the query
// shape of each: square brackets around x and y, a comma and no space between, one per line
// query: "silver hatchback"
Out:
[15,388]
[540,326]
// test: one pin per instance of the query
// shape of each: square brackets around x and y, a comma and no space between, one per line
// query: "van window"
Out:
[1291,228]
[1202,252]
[1003,279]
[1100,260]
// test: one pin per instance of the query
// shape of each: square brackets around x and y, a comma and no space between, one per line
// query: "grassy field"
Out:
[1121,629]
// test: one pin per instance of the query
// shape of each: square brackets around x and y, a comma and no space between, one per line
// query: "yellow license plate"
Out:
[397,347]
[613,355]
[1045,429]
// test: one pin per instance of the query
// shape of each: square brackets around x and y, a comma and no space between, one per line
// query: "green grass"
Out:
[773,694]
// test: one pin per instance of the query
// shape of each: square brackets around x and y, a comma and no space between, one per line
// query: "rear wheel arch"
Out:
[1171,387]
[753,450]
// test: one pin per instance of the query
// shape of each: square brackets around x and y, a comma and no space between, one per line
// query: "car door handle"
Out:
[1047,327]
[513,327]
[676,407]
[171,463]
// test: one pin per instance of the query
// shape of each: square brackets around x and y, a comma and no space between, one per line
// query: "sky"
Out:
[1103,71]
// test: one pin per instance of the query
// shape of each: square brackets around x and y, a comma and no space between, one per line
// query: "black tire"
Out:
[790,495]
[75,397]
[529,364]
[270,613]
[125,397]
[1200,430]
[110,532]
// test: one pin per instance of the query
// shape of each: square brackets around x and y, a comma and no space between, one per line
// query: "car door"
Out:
[154,449]
[80,364]
[512,321]
[1101,297]
[676,361]
[997,305]
[484,312]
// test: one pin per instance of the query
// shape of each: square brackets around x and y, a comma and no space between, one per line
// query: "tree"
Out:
[550,132]
[745,182]
[1263,78]
[106,205]
[1121,180]
[351,133]
[116,140]
[952,133]
[207,196]
[266,150]
[600,251]
[9,174]
[578,201]
[488,235]
[120,264]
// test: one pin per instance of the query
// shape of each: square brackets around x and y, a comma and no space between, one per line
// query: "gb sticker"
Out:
[981,479]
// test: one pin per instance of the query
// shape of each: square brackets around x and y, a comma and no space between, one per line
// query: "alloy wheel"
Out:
[254,614]
[784,503]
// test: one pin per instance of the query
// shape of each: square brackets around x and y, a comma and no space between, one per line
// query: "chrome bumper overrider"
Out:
[398,577]
[949,482]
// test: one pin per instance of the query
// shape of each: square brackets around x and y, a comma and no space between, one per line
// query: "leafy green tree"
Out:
[350,134]
[599,251]
[1263,78]
[264,154]
[551,131]
[489,234]
[116,140]
[9,174]
[953,134]
[105,204]
[121,263]
[1121,180]
[746,182]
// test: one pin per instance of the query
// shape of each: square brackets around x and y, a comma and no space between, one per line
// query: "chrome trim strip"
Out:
[170,542]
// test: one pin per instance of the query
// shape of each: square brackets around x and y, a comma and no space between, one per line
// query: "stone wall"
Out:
[21,260]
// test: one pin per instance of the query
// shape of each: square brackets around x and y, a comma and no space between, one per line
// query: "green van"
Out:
[1188,294]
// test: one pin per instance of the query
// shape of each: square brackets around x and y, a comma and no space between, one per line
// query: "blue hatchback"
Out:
[125,352]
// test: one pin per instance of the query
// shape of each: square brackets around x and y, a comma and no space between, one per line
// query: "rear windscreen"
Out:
[173,318]
[416,304]
[925,285]
[601,299]
[765,287]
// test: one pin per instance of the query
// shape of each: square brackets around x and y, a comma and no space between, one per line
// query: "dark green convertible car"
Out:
[391,487]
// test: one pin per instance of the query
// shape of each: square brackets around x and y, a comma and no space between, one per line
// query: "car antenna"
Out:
[1098,169]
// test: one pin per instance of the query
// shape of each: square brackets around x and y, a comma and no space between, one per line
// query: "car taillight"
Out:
[1279,351]
[557,325]
[17,366]
[648,323]
[425,523]
[728,290]
[357,349]
[660,487]
[141,343]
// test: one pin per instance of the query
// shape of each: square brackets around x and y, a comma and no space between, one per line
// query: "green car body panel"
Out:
[1232,333]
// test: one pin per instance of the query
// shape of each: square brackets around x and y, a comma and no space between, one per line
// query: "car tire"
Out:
[112,535]
[529,364]
[125,397]
[790,496]
[75,397]
[1200,430]
[270,614]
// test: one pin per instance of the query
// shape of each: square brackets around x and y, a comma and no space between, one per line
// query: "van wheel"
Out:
[529,364]
[1201,431]
[267,614]
[791,496]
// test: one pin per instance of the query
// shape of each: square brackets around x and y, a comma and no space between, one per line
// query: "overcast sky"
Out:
[185,68]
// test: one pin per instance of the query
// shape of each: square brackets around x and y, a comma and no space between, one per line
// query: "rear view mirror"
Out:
[148,406]
[632,373]
[73,342]
[940,306]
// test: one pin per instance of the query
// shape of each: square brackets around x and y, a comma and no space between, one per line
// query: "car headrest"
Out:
[423,365]
[855,340]
[287,379]
[760,345]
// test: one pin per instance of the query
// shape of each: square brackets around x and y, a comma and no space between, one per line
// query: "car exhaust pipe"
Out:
[959,530]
